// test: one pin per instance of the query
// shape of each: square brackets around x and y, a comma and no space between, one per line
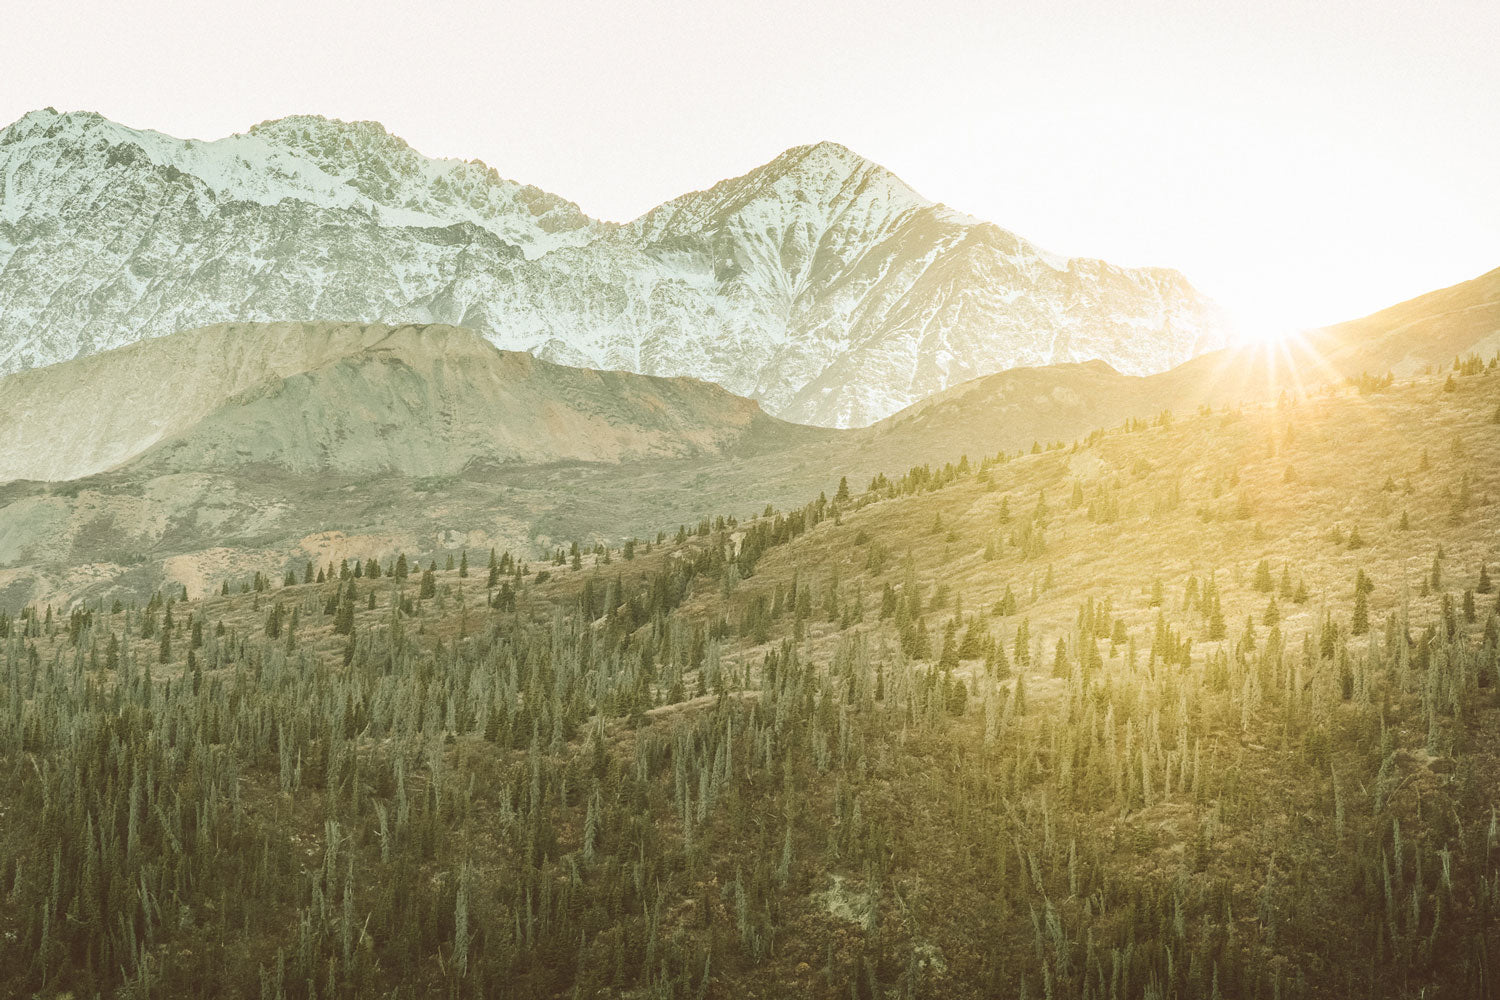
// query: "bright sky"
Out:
[1302,162]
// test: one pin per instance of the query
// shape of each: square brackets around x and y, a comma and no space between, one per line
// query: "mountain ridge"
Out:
[416,400]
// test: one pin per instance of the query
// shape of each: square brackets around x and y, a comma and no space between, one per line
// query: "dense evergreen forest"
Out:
[1202,706]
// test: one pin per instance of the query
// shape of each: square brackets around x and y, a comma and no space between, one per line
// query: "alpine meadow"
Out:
[414,585]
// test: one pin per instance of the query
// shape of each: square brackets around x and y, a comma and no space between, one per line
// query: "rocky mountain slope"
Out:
[345,398]
[818,284]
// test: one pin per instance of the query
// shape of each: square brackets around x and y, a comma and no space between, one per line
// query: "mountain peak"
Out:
[49,120]
[303,122]
[833,163]
[828,150]
[812,187]
[325,138]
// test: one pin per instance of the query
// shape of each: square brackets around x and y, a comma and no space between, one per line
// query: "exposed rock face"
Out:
[818,284]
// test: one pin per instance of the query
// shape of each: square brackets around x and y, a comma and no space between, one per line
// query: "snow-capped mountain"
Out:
[818,284]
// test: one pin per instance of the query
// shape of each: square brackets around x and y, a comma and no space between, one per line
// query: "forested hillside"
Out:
[1203,705]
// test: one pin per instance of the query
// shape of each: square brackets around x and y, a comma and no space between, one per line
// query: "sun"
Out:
[1263,334]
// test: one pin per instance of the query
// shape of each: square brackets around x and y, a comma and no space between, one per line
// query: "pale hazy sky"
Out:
[1301,162]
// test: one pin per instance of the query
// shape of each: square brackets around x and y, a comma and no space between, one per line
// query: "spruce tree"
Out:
[1217,629]
[343,619]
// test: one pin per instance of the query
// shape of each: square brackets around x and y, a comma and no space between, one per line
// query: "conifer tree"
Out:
[1216,626]
[343,619]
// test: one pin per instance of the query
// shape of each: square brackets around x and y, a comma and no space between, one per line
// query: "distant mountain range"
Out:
[818,284]
[234,448]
